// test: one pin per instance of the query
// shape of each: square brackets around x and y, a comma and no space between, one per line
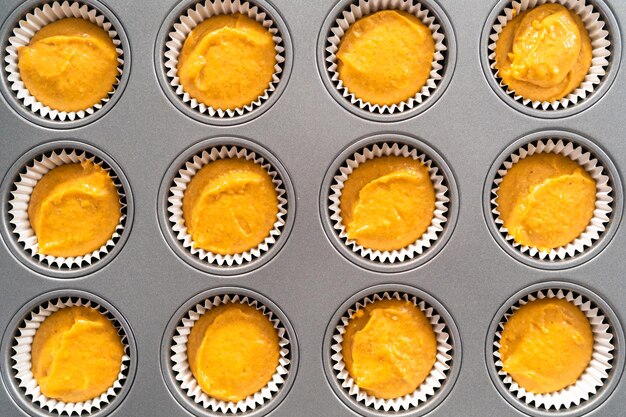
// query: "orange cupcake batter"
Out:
[74,210]
[387,203]
[69,65]
[227,61]
[544,53]
[76,354]
[389,348]
[233,351]
[546,201]
[386,58]
[546,345]
[230,206]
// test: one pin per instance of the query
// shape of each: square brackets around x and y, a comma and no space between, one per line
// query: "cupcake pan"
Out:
[303,133]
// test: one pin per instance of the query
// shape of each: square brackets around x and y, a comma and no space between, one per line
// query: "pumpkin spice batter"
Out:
[233,351]
[387,203]
[544,53]
[386,58]
[76,354]
[546,201]
[230,206]
[389,348]
[74,209]
[227,61]
[69,65]
[546,345]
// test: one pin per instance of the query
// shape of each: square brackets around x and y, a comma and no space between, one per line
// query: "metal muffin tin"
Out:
[308,279]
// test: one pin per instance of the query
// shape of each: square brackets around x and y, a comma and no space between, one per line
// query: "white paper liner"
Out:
[22,360]
[188,382]
[592,378]
[604,198]
[441,202]
[191,18]
[22,190]
[31,24]
[600,45]
[433,381]
[366,7]
[177,191]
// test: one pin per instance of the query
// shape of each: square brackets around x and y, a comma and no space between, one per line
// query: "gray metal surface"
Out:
[469,126]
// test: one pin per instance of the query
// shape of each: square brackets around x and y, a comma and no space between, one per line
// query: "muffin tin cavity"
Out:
[173,188]
[177,26]
[446,203]
[347,12]
[16,191]
[181,382]
[602,374]
[606,56]
[608,208]
[437,384]
[18,30]
[16,348]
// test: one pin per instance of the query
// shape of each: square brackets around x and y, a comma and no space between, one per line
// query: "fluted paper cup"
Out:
[188,383]
[188,21]
[604,198]
[22,366]
[600,45]
[362,8]
[592,379]
[31,24]
[177,192]
[433,381]
[441,202]
[20,198]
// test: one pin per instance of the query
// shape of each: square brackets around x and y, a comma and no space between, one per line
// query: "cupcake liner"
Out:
[441,202]
[177,191]
[593,377]
[433,381]
[600,45]
[195,15]
[22,360]
[26,29]
[188,383]
[20,199]
[362,8]
[604,198]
